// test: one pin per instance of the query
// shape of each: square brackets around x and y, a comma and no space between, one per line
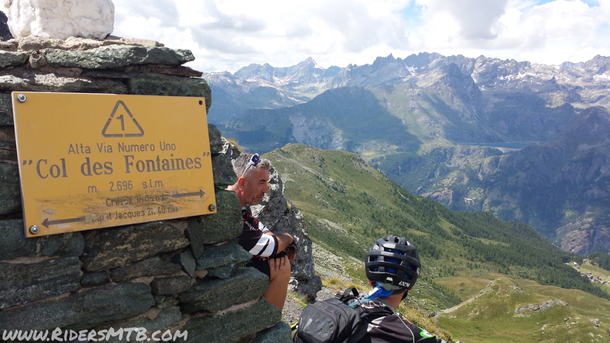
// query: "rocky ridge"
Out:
[463,100]
[536,181]
[577,83]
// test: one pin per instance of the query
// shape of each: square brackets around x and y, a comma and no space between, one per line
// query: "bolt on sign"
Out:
[90,161]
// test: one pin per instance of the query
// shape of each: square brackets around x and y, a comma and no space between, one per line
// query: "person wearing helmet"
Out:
[392,268]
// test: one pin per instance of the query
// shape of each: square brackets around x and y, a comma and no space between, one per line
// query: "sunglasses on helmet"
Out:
[253,162]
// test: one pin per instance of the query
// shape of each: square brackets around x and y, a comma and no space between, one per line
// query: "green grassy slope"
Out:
[491,317]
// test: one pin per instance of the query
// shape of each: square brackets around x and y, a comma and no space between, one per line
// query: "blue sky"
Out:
[411,14]
[230,34]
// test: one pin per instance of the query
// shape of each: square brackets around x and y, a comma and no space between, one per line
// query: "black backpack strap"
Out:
[348,294]
[364,327]
[386,304]
[398,315]
[361,332]
[365,323]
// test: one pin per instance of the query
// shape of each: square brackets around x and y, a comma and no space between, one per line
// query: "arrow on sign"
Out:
[201,193]
[48,222]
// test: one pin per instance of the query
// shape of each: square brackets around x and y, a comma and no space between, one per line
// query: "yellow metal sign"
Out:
[90,161]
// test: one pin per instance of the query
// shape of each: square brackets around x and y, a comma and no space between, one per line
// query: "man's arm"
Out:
[258,240]
[283,240]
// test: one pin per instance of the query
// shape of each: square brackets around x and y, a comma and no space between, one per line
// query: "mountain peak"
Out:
[594,121]
[598,64]
[421,60]
[254,70]
[389,58]
[591,127]
[309,61]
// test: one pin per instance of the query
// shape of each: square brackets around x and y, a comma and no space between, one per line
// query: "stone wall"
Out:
[181,274]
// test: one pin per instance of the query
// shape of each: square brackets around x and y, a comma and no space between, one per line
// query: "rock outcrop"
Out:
[5,32]
[528,310]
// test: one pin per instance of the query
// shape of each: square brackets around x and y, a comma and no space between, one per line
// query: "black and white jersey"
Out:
[254,238]
[385,326]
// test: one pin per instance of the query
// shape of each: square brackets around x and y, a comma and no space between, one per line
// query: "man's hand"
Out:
[278,263]
[291,251]
[291,254]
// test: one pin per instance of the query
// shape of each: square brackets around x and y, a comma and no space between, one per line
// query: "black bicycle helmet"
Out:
[393,262]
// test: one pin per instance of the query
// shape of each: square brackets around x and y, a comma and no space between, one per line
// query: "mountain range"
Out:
[525,141]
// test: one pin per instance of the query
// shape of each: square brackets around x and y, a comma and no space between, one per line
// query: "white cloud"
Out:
[476,18]
[556,32]
[230,34]
[551,33]
[164,10]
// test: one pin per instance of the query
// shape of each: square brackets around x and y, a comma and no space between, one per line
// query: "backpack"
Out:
[332,320]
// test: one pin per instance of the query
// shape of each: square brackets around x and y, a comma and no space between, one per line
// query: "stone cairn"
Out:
[180,274]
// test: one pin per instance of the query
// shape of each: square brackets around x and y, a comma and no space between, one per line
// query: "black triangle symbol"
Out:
[116,107]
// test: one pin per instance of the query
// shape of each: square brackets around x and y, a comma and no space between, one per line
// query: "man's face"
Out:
[255,186]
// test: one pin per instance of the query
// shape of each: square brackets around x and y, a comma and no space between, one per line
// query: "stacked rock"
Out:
[177,275]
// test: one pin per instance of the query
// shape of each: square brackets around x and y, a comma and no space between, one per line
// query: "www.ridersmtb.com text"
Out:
[59,335]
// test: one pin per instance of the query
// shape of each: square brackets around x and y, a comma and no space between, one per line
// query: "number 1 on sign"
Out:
[122,122]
